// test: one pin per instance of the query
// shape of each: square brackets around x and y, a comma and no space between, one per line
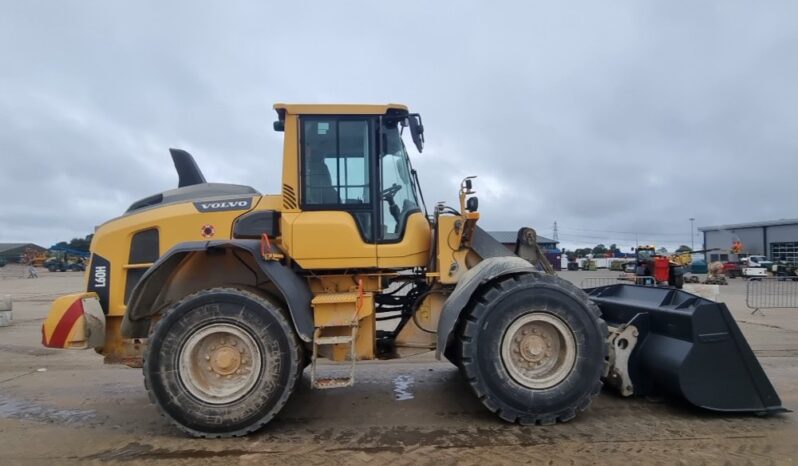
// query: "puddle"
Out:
[137,452]
[12,408]
[27,350]
[401,387]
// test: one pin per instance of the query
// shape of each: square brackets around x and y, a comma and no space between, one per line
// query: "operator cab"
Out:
[645,253]
[354,167]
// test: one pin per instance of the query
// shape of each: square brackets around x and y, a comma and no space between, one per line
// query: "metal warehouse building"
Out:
[549,246]
[507,238]
[777,239]
[12,252]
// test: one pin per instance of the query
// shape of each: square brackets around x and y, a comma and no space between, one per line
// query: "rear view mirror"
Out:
[416,130]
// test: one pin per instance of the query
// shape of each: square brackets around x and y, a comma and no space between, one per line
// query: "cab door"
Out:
[336,227]
[404,232]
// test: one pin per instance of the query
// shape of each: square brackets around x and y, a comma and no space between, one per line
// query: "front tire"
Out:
[533,348]
[678,281]
[222,362]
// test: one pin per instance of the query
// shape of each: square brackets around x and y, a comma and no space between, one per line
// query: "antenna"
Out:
[555,235]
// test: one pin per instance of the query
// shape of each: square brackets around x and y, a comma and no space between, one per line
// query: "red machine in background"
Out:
[663,270]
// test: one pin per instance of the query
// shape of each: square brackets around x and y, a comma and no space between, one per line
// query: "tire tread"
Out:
[294,344]
[468,329]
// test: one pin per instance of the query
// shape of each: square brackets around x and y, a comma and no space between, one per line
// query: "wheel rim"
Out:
[538,350]
[219,363]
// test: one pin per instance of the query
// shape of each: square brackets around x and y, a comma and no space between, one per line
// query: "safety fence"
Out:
[771,293]
[594,282]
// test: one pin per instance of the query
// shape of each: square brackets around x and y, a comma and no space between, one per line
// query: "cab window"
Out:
[336,163]
[336,168]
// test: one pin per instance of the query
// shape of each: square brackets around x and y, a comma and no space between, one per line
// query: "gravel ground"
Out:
[68,406]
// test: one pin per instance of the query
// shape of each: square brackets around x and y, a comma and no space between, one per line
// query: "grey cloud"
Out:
[627,118]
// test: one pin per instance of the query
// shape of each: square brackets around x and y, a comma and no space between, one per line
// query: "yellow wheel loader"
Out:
[225,296]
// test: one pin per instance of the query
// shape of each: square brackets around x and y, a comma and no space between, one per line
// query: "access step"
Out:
[333,382]
[336,340]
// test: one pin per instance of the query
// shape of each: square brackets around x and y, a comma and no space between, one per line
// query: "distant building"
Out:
[549,246]
[508,238]
[12,252]
[777,239]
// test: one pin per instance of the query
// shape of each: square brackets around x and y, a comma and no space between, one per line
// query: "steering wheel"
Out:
[390,192]
[387,195]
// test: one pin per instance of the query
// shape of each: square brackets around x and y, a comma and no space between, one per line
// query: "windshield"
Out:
[645,254]
[398,187]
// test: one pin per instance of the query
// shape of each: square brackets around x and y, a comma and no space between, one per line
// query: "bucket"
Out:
[688,346]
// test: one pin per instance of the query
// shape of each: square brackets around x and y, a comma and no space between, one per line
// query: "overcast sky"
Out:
[608,120]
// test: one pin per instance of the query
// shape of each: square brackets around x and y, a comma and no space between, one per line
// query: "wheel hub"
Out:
[533,348]
[225,360]
[219,363]
[538,350]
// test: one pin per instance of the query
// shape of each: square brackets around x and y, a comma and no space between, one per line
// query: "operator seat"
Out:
[319,187]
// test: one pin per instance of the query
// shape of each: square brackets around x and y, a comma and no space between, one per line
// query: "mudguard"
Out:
[75,321]
[294,289]
[485,271]
[689,347]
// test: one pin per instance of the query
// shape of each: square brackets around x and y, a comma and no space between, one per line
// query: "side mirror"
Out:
[416,130]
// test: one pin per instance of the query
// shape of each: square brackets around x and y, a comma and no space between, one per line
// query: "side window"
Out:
[335,162]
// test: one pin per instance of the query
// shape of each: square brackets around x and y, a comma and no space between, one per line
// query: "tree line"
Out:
[81,244]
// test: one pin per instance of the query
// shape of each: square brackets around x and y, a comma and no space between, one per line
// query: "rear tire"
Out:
[532,348]
[222,362]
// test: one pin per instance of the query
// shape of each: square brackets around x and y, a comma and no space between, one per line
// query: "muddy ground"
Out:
[68,406]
